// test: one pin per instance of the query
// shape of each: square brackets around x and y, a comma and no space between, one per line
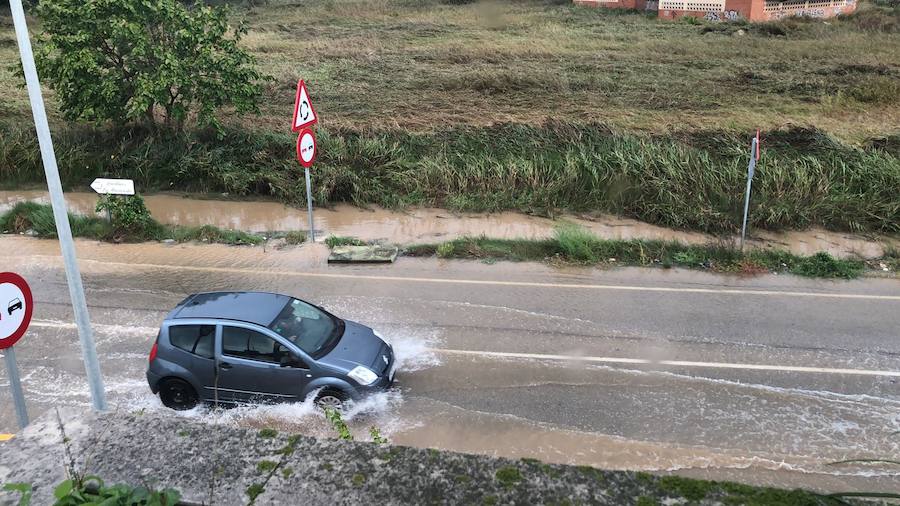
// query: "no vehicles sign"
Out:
[16,306]
[306,148]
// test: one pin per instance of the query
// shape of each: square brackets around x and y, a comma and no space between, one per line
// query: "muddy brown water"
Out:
[419,225]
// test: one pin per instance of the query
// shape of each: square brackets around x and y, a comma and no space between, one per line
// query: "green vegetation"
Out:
[92,490]
[104,65]
[480,63]
[270,468]
[576,245]
[254,491]
[333,240]
[358,480]
[337,421]
[377,438]
[508,476]
[640,129]
[745,495]
[267,433]
[692,181]
[31,217]
[265,466]
[295,237]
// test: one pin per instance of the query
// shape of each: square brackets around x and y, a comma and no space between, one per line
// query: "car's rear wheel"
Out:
[333,399]
[177,394]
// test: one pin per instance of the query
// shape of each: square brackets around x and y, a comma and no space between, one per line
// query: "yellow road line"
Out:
[675,363]
[6,437]
[529,284]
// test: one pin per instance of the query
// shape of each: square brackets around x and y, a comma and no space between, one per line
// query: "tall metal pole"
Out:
[15,386]
[750,170]
[60,215]
[312,230]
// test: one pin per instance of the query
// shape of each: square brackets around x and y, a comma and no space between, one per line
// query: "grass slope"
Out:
[688,181]
[419,65]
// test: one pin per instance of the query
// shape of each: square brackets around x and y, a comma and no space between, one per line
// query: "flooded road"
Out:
[764,380]
[420,225]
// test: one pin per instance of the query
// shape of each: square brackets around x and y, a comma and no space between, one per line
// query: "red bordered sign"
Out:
[306,148]
[304,112]
[16,308]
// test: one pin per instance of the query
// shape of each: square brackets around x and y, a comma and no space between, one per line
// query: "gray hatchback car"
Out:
[241,347]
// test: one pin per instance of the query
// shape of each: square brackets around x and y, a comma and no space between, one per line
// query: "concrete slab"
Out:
[372,254]
[216,464]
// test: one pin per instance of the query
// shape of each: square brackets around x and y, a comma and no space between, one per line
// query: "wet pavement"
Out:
[764,379]
[421,225]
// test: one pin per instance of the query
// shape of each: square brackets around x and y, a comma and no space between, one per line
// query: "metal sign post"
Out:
[304,117]
[15,386]
[751,168]
[16,310]
[60,214]
[312,230]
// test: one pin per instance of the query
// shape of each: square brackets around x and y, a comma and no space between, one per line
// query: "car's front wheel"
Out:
[177,394]
[333,399]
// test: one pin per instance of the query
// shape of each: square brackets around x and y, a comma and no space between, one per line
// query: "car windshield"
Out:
[307,326]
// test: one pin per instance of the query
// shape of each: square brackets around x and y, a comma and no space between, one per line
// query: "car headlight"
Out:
[380,336]
[363,375]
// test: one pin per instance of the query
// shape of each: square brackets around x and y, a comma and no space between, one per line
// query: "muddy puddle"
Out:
[429,225]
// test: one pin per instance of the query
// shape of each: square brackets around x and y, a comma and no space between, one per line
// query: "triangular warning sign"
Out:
[304,114]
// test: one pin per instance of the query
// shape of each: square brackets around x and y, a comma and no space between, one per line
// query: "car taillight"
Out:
[153,352]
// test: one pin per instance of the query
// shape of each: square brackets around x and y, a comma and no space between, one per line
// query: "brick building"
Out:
[732,10]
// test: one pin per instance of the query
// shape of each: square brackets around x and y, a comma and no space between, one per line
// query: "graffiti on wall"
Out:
[801,13]
[731,15]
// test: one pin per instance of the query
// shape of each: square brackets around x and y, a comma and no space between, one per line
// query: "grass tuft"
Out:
[333,240]
[295,237]
[38,219]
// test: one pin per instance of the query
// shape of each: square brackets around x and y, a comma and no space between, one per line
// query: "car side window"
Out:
[245,343]
[196,339]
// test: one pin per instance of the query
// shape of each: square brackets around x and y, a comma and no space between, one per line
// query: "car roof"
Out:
[252,307]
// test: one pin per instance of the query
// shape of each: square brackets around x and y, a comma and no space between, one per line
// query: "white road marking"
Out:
[677,363]
[529,284]
[576,358]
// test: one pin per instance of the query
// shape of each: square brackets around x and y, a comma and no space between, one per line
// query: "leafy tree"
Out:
[152,60]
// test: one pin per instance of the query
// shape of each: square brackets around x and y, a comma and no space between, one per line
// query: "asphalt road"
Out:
[764,379]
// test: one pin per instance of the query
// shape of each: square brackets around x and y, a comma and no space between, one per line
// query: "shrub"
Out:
[128,215]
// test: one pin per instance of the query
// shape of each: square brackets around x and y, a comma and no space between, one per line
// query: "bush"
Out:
[823,265]
[128,215]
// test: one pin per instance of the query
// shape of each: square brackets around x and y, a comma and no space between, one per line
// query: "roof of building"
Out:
[253,307]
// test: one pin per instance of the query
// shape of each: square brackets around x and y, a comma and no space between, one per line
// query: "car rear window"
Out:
[196,339]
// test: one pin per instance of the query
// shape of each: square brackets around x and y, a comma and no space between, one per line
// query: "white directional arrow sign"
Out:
[113,186]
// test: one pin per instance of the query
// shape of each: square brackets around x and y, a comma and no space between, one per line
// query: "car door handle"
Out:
[225,365]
